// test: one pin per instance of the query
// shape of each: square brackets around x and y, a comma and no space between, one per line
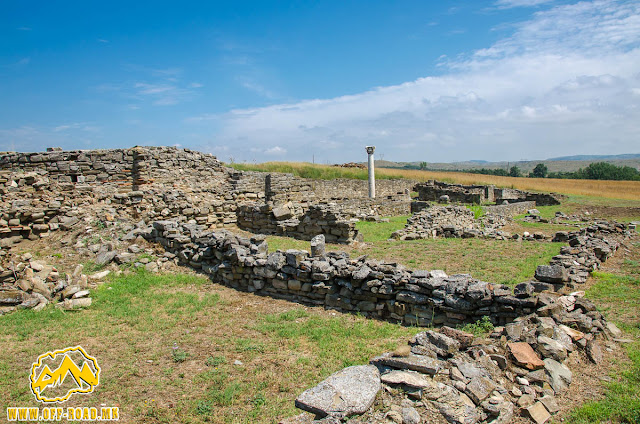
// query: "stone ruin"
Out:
[183,201]
[479,194]
[160,182]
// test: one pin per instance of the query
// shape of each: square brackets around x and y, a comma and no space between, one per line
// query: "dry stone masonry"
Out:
[376,289]
[437,221]
[435,190]
[30,284]
[298,221]
[182,201]
[462,379]
[43,192]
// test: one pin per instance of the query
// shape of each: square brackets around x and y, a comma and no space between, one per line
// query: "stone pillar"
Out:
[372,176]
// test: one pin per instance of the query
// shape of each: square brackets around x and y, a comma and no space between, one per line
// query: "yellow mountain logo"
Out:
[52,369]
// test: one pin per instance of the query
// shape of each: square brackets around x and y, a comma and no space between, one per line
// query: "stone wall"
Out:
[375,289]
[300,221]
[511,209]
[136,165]
[541,199]
[282,188]
[363,208]
[437,221]
[341,188]
[433,190]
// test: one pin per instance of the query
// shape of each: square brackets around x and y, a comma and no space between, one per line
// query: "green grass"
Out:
[176,348]
[505,262]
[285,243]
[381,231]
[549,212]
[619,298]
[332,339]
[478,211]
[480,328]
[544,227]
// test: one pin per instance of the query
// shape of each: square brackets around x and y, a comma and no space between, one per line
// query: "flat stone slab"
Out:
[347,392]
[420,363]
[524,354]
[479,388]
[408,378]
[538,413]
[559,375]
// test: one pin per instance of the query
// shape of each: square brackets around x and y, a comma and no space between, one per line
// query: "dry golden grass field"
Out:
[628,190]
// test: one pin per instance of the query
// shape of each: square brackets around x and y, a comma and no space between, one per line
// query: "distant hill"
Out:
[559,164]
[598,157]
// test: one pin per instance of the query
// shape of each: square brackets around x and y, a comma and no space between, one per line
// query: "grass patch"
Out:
[480,328]
[179,355]
[240,358]
[331,339]
[285,243]
[619,297]
[381,231]
[478,211]
[506,262]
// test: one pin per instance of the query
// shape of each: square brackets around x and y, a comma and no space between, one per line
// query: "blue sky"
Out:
[258,81]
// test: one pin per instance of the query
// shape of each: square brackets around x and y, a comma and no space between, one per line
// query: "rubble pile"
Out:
[519,370]
[30,284]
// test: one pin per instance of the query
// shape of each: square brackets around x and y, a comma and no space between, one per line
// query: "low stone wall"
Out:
[363,208]
[511,209]
[541,199]
[376,289]
[297,220]
[437,221]
[517,374]
[282,188]
[433,190]
[358,189]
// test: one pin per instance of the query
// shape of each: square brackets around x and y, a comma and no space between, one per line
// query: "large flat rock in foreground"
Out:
[347,392]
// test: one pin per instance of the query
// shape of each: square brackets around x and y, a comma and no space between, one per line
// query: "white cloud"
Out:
[203,118]
[252,85]
[566,81]
[160,87]
[76,126]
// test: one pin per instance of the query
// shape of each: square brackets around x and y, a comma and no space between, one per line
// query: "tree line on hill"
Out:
[595,171]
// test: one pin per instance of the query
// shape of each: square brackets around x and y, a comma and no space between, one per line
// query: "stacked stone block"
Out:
[376,289]
[297,220]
